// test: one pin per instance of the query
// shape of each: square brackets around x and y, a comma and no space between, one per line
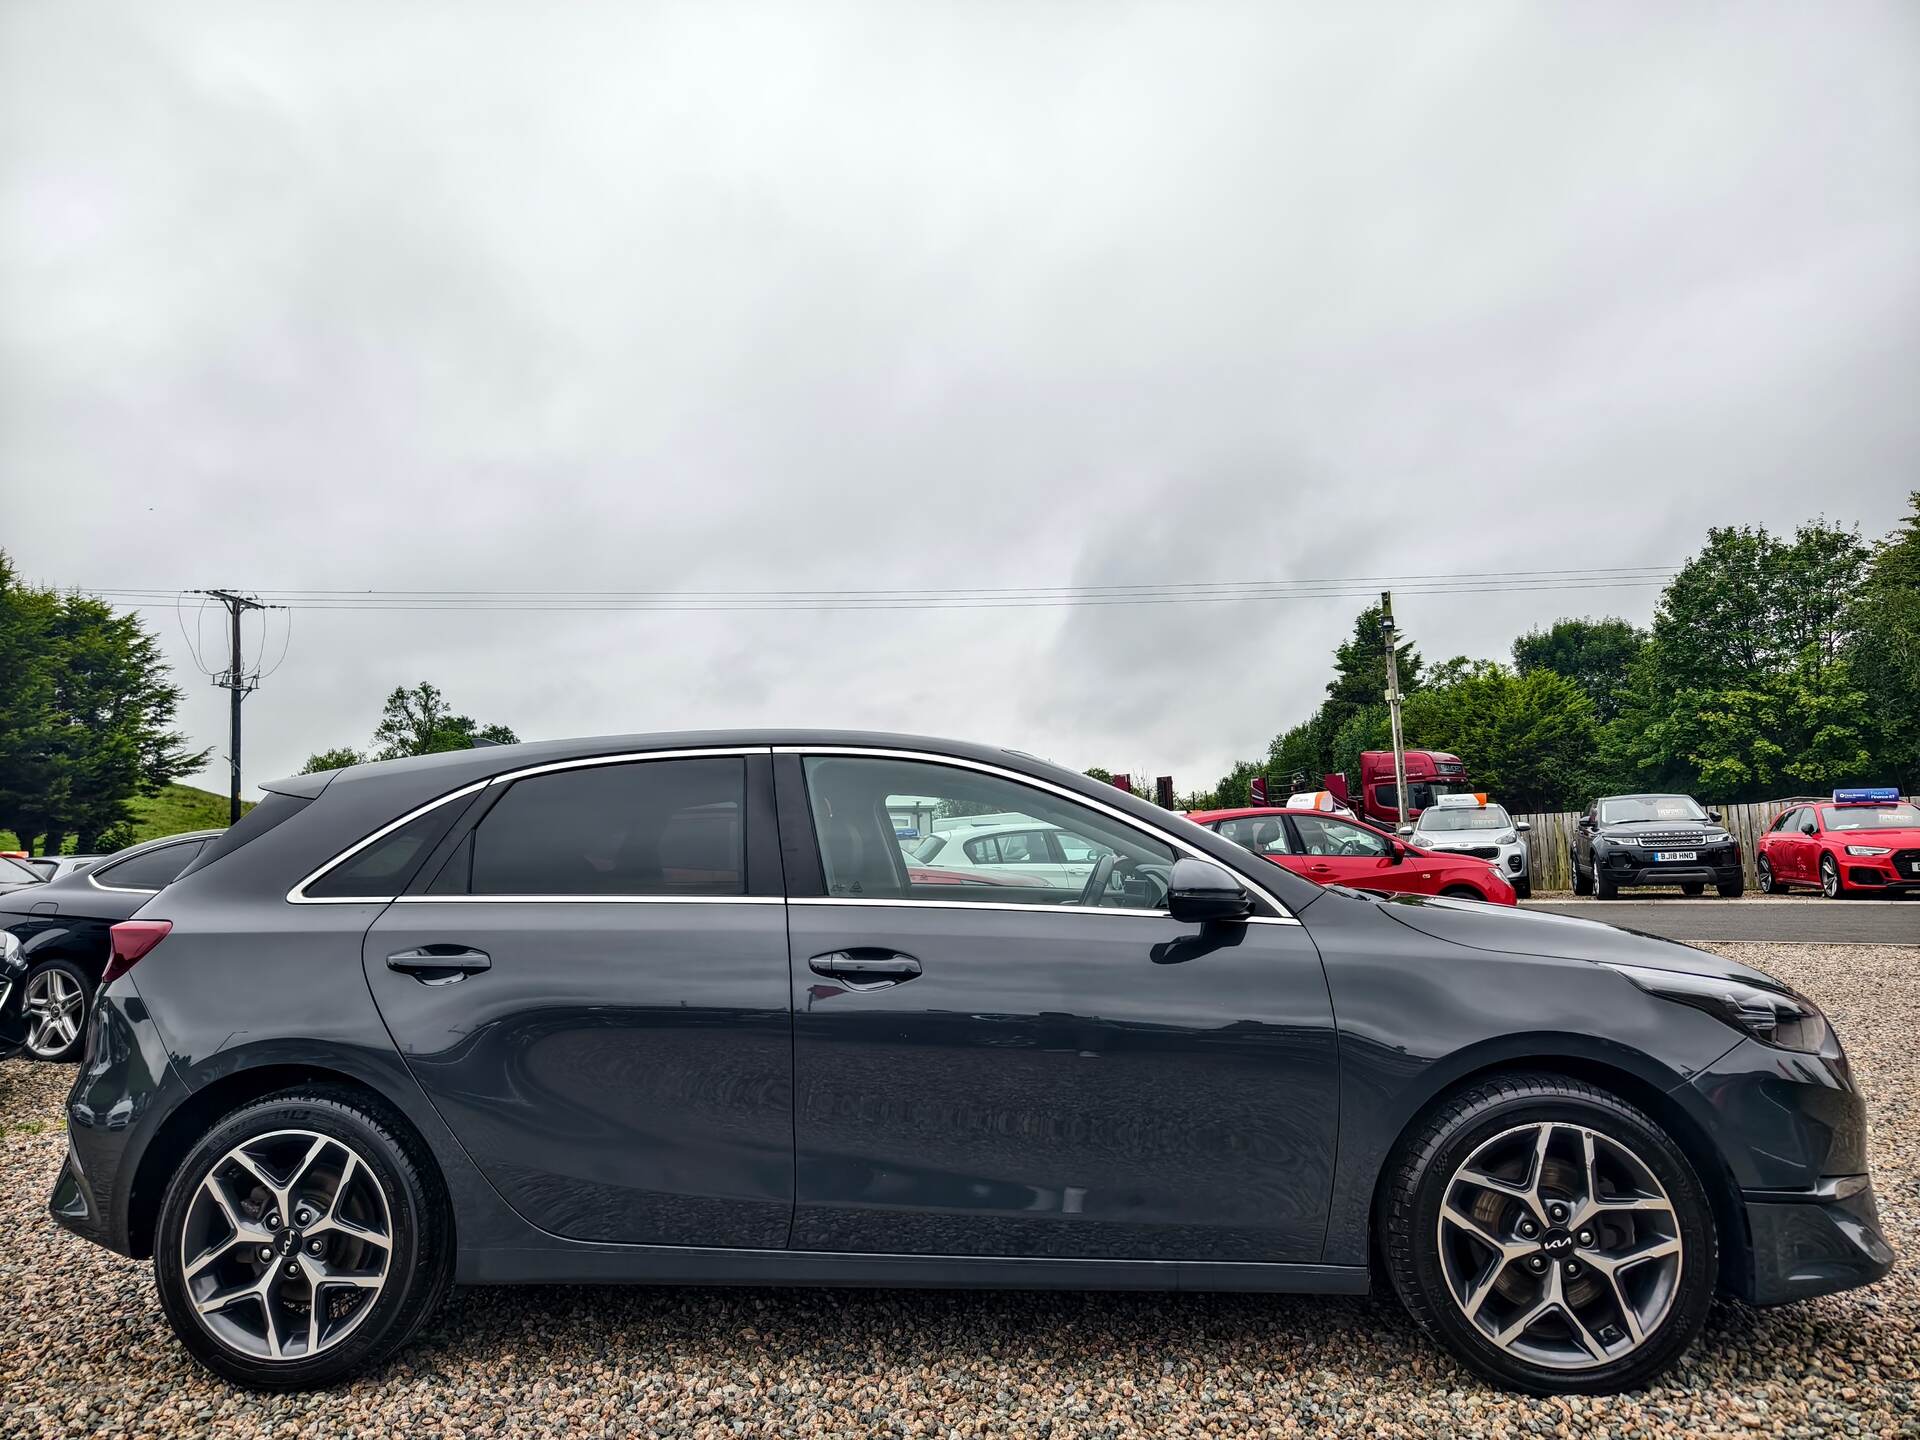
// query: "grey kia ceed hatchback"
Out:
[683,1008]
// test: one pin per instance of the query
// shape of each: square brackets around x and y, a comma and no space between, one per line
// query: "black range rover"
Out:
[1654,840]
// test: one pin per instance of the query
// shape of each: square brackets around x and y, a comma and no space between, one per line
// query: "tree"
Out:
[420,722]
[1885,655]
[1744,686]
[1360,670]
[87,713]
[1529,737]
[335,759]
[1596,655]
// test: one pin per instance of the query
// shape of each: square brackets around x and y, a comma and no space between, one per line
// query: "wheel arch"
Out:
[1633,1078]
[201,1110]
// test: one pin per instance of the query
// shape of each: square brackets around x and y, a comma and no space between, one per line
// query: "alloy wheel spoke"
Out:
[314,1152]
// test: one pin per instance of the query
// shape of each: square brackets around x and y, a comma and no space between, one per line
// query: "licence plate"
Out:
[1661,856]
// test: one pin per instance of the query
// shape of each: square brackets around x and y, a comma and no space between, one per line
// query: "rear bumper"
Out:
[1807,1243]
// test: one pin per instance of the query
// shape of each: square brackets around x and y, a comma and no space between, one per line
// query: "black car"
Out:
[1632,840]
[675,1009]
[62,927]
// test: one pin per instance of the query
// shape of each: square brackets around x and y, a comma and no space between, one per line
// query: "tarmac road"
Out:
[1794,919]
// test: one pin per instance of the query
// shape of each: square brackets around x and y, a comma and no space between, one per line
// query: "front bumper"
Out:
[1808,1243]
[1625,868]
[1890,874]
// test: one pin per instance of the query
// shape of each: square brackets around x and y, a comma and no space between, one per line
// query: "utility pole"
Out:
[1393,702]
[238,683]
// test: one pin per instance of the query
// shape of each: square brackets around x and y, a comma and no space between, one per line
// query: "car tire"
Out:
[55,996]
[1694,887]
[1603,886]
[359,1187]
[1472,1311]
[1831,884]
[1769,883]
[1581,884]
[1461,892]
[1733,890]
[1523,887]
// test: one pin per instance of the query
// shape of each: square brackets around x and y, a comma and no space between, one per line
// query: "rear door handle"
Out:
[865,969]
[439,964]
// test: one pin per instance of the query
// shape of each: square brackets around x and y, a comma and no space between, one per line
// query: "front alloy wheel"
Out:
[1560,1246]
[55,1010]
[1550,1235]
[1830,885]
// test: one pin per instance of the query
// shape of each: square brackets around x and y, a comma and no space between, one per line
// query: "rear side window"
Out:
[649,827]
[151,869]
[383,868]
[256,822]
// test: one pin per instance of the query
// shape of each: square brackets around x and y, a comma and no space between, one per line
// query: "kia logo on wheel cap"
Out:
[1557,1243]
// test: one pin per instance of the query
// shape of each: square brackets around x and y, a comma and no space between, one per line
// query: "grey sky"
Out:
[721,297]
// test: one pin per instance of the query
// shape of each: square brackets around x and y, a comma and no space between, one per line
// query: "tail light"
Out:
[132,939]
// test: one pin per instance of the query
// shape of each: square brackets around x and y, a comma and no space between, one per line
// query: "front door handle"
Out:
[865,969]
[439,964]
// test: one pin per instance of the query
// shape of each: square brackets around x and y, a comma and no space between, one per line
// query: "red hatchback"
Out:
[1334,850]
[1847,846]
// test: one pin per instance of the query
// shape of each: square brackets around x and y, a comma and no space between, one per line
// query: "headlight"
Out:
[1868,849]
[1507,837]
[1773,1017]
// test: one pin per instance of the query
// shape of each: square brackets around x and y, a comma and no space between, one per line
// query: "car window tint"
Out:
[1320,836]
[150,870]
[649,827]
[1788,821]
[852,797]
[383,869]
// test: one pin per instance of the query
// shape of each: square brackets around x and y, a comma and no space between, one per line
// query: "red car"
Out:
[1860,842]
[1337,851]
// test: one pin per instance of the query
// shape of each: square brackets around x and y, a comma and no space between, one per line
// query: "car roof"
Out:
[1246,812]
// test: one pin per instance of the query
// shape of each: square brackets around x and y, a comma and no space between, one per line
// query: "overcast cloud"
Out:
[659,297]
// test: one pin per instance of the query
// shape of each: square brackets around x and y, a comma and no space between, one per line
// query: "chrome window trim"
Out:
[298,894]
[1061,909]
[884,752]
[589,900]
[94,881]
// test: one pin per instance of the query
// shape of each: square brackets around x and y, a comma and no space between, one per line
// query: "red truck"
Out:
[1430,773]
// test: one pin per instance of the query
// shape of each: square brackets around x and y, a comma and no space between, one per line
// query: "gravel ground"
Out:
[84,1349]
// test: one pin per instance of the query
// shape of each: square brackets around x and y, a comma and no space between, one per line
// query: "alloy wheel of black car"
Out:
[301,1240]
[1551,1236]
[54,1008]
[1581,884]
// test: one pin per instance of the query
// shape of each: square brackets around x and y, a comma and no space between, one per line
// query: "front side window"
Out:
[151,870]
[1319,836]
[851,795]
[646,827]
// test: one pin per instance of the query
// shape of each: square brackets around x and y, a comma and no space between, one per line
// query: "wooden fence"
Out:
[1551,842]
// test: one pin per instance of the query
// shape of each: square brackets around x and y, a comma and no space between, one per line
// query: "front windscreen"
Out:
[1489,817]
[1870,817]
[1631,809]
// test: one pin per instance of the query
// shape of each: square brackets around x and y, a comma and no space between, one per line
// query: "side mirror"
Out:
[1199,891]
[1403,830]
[1714,815]
[1521,827]
[1397,851]
[1586,822]
[1809,828]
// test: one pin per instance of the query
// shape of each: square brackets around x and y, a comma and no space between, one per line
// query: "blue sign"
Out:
[1867,795]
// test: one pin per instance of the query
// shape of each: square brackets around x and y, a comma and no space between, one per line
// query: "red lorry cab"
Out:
[1430,774]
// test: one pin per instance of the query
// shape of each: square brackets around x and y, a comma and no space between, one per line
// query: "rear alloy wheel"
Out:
[54,1007]
[1830,885]
[300,1241]
[1768,884]
[1551,1236]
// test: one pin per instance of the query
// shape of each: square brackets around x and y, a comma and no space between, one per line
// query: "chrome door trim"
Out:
[1282,915]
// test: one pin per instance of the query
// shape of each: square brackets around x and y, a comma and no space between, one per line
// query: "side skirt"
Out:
[579,1264]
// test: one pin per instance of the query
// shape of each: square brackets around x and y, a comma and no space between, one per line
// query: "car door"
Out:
[1042,1072]
[1338,852]
[1784,844]
[588,977]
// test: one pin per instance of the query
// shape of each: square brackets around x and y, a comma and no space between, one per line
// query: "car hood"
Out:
[1509,931]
